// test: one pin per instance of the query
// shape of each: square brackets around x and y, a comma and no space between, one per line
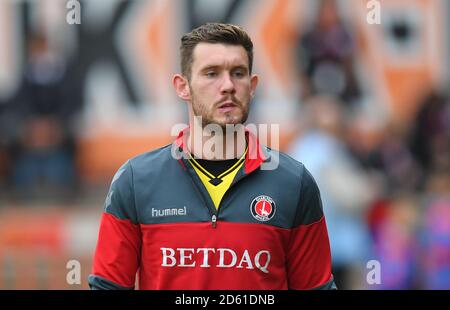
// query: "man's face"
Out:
[220,85]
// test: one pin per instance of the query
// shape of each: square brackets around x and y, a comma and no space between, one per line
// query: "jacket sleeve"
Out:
[117,254]
[309,255]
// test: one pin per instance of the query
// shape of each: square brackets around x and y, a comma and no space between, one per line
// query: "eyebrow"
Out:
[212,67]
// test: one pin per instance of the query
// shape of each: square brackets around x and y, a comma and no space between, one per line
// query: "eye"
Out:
[239,73]
[211,74]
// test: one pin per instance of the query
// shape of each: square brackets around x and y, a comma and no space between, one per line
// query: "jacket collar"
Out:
[253,159]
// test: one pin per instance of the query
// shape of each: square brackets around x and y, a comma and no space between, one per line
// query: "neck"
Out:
[215,143]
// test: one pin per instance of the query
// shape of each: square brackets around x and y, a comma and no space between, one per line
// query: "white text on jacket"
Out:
[223,258]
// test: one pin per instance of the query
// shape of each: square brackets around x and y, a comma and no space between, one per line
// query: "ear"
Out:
[181,86]
[253,83]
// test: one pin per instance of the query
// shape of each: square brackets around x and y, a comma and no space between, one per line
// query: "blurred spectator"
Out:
[326,55]
[345,190]
[411,223]
[44,148]
[435,233]
[430,138]
[8,134]
[388,154]
[412,240]
[395,160]
[3,146]
[396,245]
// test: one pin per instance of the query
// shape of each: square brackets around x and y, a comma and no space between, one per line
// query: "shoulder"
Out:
[287,166]
[151,159]
[144,162]
[120,200]
[291,172]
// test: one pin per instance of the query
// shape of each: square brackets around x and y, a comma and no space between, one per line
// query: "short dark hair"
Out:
[213,33]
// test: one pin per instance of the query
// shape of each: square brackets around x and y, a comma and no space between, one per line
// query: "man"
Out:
[186,216]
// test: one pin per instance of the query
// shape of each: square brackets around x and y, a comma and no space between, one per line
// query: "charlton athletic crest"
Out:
[262,208]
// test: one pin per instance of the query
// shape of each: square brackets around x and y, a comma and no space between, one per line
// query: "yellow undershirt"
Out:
[216,192]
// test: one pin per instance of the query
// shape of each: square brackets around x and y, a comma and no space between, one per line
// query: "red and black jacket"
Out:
[160,224]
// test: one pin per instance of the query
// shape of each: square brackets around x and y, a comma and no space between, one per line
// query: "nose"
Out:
[227,86]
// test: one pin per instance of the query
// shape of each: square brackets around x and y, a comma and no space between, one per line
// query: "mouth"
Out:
[227,106]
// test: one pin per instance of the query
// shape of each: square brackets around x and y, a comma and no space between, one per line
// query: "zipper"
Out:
[213,214]
[214,220]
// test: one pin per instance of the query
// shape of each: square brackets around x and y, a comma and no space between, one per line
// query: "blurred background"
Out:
[365,107]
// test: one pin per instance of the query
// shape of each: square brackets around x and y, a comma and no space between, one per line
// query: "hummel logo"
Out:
[169,212]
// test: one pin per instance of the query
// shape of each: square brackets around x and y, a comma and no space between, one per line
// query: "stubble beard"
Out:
[208,118]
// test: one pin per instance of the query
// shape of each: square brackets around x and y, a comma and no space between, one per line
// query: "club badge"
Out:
[263,208]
